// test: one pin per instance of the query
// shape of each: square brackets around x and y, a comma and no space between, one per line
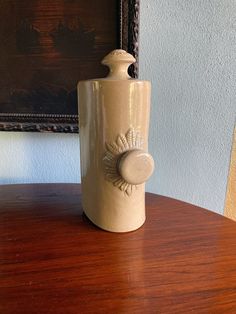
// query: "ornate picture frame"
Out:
[43,44]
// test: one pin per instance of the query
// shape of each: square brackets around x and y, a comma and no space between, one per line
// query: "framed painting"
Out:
[46,47]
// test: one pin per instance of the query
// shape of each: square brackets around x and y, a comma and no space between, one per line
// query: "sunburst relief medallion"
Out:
[114,151]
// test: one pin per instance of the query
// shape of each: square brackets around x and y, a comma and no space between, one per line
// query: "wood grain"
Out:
[230,202]
[53,260]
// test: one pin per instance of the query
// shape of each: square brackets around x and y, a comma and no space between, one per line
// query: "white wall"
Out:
[188,52]
[38,157]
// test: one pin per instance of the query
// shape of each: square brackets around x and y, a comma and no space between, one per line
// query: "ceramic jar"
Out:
[115,164]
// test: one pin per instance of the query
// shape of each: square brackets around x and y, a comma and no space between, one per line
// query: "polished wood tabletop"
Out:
[53,260]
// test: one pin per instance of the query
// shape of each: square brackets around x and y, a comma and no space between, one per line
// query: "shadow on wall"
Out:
[39,158]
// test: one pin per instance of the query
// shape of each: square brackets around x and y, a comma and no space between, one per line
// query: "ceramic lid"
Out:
[118,62]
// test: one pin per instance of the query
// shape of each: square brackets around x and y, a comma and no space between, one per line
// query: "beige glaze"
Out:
[114,122]
[136,166]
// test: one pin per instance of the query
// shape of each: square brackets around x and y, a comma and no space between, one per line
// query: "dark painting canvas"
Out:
[46,47]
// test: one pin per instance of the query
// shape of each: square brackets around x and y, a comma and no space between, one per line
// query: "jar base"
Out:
[115,229]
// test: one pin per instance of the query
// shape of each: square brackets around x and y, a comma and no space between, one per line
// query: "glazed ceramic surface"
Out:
[114,122]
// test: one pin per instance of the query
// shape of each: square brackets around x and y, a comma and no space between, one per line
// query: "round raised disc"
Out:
[136,166]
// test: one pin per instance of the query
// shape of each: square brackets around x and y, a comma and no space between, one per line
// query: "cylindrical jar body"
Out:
[114,118]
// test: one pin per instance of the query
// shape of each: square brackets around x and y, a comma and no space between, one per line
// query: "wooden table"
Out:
[53,260]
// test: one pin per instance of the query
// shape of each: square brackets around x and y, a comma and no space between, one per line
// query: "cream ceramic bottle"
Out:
[115,164]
